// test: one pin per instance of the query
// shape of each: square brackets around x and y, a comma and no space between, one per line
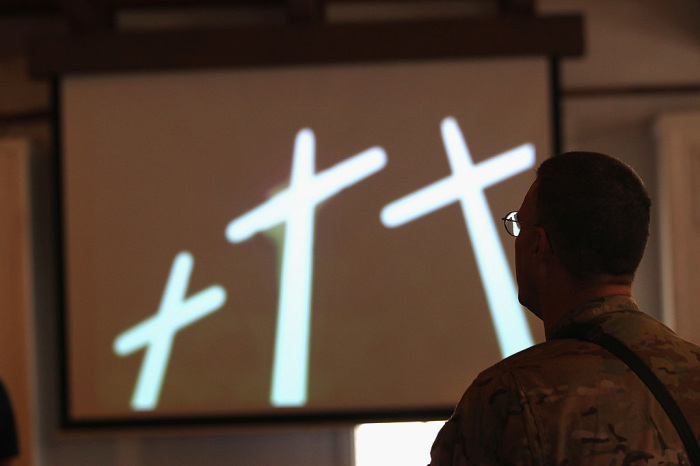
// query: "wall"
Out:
[16,323]
[643,60]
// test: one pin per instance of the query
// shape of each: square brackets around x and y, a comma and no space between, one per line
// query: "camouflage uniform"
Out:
[571,402]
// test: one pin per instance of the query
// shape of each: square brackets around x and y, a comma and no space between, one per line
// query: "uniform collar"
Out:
[594,311]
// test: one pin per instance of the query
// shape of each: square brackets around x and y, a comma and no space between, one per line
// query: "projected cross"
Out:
[466,185]
[157,332]
[295,206]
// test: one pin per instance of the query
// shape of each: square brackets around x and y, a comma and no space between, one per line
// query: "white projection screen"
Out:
[294,243]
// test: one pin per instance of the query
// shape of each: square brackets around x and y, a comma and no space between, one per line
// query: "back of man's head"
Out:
[596,211]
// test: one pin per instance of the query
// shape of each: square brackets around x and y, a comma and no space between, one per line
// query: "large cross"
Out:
[295,206]
[157,332]
[466,185]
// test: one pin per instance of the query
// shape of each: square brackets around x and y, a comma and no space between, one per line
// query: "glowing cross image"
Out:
[466,185]
[157,332]
[295,206]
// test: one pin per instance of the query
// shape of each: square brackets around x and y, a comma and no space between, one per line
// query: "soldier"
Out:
[580,234]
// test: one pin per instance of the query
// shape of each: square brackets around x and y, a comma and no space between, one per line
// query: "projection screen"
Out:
[294,242]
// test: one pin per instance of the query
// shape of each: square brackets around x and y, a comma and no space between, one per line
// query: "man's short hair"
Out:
[596,210]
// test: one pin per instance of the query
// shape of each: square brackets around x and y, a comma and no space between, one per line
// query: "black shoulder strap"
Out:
[595,334]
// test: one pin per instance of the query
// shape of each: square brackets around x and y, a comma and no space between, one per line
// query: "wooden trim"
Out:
[111,52]
[625,90]
[16,292]
[26,7]
[26,116]
[56,6]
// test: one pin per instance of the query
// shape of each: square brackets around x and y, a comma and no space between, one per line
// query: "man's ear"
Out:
[543,245]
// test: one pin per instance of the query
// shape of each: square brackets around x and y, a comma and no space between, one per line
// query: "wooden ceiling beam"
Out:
[305,11]
[29,7]
[87,16]
[516,7]
[166,4]
[55,55]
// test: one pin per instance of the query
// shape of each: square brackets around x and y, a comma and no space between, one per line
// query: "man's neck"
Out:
[558,307]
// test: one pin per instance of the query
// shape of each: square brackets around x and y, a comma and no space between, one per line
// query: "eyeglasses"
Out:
[512,224]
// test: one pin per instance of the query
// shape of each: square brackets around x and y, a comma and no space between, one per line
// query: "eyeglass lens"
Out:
[512,224]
